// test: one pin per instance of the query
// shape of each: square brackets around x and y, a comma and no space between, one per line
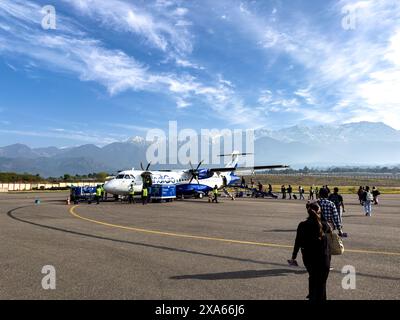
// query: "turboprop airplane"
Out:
[193,181]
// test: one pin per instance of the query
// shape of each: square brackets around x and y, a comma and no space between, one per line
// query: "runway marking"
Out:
[181,235]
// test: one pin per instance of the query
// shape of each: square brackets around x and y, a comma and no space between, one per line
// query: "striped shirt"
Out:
[330,213]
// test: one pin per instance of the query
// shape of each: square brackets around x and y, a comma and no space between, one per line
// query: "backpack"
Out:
[369,196]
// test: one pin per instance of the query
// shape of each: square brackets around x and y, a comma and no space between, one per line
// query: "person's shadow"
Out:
[246,274]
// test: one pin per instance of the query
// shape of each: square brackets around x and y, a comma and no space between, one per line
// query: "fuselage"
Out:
[129,180]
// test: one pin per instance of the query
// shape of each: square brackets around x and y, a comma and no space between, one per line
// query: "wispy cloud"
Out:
[181,103]
[130,127]
[306,95]
[163,30]
[349,74]
[79,136]
[73,51]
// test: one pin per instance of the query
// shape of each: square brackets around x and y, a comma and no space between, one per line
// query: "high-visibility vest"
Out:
[215,191]
[98,192]
[144,192]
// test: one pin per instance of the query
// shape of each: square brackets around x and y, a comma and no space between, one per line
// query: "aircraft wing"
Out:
[279,166]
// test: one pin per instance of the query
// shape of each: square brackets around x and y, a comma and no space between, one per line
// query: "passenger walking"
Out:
[311,238]
[316,192]
[329,212]
[301,193]
[375,193]
[337,199]
[283,191]
[327,189]
[311,195]
[289,191]
[243,183]
[224,181]
[215,193]
[360,194]
[260,186]
[367,199]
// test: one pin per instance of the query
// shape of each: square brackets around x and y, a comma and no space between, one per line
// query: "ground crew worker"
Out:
[103,192]
[131,195]
[145,193]
[98,194]
[215,193]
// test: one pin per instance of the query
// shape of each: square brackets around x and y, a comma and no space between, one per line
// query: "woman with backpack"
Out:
[311,238]
[368,198]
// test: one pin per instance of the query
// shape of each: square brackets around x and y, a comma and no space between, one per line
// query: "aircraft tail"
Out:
[235,158]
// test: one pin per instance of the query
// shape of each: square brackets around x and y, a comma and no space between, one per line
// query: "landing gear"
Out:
[199,195]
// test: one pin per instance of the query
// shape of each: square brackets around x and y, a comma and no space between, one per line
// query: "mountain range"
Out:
[358,144]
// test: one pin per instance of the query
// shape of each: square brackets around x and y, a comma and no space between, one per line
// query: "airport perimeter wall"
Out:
[11,187]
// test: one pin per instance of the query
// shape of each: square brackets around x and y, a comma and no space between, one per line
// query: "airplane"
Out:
[189,182]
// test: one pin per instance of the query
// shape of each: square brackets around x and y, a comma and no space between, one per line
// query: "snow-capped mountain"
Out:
[363,143]
[351,132]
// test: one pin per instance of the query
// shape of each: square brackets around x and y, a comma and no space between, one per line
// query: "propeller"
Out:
[146,175]
[147,168]
[195,172]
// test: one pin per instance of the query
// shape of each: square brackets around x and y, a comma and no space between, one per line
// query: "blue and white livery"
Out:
[194,181]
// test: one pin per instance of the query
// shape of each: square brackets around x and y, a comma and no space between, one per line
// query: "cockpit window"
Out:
[120,176]
[127,176]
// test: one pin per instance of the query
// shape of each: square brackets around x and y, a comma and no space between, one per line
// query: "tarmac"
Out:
[187,249]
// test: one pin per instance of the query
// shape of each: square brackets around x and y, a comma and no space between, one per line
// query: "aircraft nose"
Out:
[110,186]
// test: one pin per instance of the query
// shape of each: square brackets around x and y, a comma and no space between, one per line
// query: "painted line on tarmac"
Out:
[181,235]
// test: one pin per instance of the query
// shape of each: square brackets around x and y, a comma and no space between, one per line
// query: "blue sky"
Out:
[113,69]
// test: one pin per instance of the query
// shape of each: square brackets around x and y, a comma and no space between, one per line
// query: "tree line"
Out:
[372,170]
[10,177]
